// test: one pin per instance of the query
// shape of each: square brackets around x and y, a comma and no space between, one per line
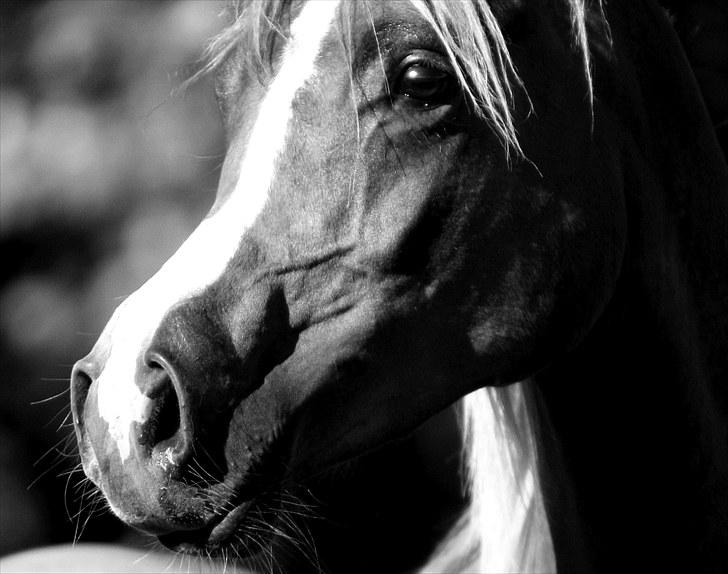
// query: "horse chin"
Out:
[236,517]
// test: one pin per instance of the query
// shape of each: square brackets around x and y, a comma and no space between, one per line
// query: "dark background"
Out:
[104,170]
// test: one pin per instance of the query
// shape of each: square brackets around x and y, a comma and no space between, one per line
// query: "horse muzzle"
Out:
[159,446]
[163,487]
[145,488]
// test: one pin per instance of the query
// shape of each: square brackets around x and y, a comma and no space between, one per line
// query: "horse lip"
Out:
[215,533]
[227,526]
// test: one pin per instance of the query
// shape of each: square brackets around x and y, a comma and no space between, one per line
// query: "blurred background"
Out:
[104,170]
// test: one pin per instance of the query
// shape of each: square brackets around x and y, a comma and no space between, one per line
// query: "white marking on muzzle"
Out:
[206,253]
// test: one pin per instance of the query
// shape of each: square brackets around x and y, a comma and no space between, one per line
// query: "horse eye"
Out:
[425,85]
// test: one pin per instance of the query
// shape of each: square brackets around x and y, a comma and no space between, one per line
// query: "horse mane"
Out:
[505,526]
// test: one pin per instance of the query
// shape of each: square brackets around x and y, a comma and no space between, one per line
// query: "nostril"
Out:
[80,384]
[163,421]
[166,429]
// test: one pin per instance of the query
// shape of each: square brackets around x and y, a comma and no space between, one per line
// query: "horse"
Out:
[512,211]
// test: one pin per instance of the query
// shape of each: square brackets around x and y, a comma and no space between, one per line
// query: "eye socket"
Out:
[426,85]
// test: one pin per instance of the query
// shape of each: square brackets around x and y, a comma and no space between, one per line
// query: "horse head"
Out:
[418,200]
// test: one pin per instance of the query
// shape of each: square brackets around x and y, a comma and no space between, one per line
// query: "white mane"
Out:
[504,528]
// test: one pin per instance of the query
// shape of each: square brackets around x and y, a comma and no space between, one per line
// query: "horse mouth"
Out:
[215,535]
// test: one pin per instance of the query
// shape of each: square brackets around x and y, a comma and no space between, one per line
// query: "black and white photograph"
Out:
[363,286]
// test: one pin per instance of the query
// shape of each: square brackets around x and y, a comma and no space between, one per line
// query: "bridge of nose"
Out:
[210,350]
[219,350]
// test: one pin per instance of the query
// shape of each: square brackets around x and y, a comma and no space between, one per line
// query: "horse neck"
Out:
[633,434]
[637,411]
[633,423]
[621,443]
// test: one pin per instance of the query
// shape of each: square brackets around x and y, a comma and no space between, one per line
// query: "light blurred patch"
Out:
[148,238]
[15,122]
[39,317]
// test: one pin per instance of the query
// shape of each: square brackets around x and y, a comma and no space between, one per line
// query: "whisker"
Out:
[95,503]
[62,458]
[77,468]
[52,397]
[64,409]
[142,557]
[64,423]
[209,457]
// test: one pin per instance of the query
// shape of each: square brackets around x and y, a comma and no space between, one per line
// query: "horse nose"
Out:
[200,363]
[187,378]
[165,428]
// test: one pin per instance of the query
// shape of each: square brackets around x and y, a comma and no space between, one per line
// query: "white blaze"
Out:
[206,253]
